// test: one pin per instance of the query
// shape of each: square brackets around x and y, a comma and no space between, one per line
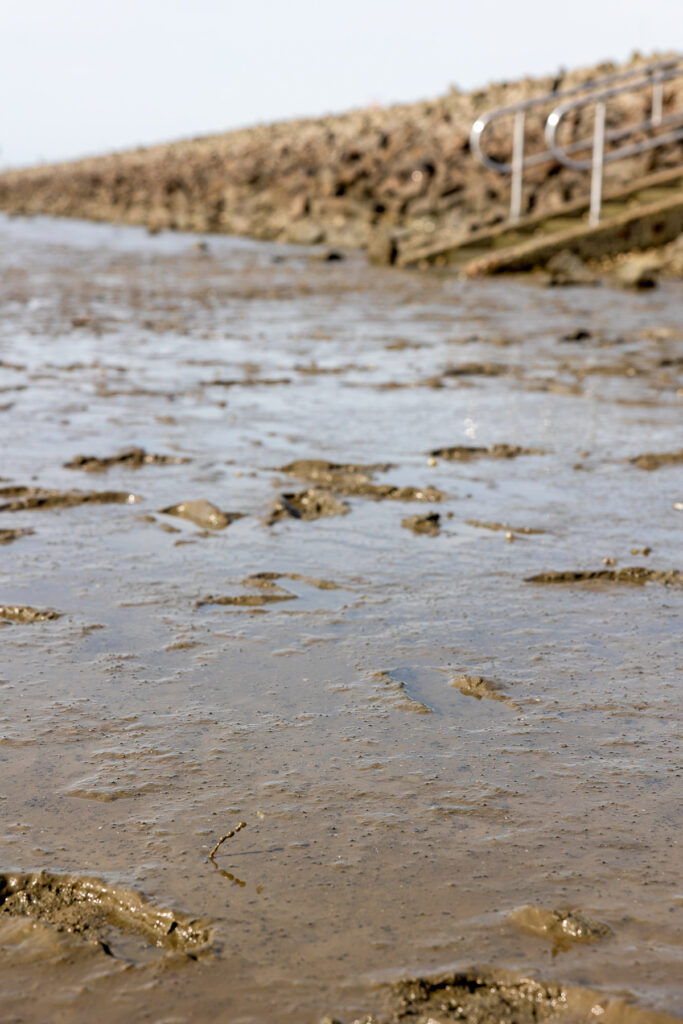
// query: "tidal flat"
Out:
[266,754]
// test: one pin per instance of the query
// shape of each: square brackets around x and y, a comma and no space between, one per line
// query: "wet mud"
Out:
[313,503]
[429,524]
[23,613]
[202,513]
[479,688]
[634,575]
[18,498]
[485,996]
[9,536]
[653,460]
[356,481]
[211,670]
[526,531]
[466,453]
[133,458]
[99,913]
[561,927]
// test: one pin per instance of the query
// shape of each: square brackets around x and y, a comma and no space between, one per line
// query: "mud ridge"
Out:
[8,536]
[24,613]
[133,458]
[526,531]
[482,995]
[466,453]
[564,927]
[353,480]
[313,503]
[478,687]
[99,912]
[654,460]
[633,574]
[19,498]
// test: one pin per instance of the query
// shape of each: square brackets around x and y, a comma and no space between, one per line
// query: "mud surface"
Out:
[395,822]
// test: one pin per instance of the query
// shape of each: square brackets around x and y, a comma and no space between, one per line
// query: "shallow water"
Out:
[142,725]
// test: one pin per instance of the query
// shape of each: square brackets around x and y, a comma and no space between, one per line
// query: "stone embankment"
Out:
[346,180]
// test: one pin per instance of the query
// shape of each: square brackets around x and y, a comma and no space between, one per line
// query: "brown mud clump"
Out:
[654,460]
[312,503]
[633,574]
[202,513]
[100,913]
[564,928]
[356,481]
[8,536]
[24,613]
[466,453]
[19,498]
[478,687]
[429,524]
[134,458]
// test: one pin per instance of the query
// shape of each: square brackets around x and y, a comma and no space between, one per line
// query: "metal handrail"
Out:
[643,74]
[598,158]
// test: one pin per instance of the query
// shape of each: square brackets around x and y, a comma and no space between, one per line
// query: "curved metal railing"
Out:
[654,73]
[599,157]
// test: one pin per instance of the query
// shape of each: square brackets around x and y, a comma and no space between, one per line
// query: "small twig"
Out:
[228,835]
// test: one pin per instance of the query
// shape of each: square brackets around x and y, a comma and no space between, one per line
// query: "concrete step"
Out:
[457,251]
[640,227]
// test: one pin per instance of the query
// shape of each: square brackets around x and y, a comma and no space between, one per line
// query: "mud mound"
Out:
[99,913]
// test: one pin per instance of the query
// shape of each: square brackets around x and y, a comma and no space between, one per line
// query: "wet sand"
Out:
[446,771]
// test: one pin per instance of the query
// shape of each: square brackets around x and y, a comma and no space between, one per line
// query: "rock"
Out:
[566,268]
[382,249]
[638,271]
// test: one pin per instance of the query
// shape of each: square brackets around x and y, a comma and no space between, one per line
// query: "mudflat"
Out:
[292,721]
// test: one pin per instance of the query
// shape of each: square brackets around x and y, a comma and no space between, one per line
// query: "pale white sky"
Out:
[89,76]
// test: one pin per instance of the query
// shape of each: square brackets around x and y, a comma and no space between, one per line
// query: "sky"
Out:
[79,77]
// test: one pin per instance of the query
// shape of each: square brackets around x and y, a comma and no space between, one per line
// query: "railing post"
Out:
[597,163]
[517,167]
[657,102]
